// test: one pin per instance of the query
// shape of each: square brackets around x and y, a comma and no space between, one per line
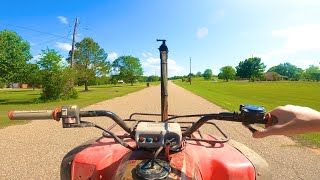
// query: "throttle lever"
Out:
[271,120]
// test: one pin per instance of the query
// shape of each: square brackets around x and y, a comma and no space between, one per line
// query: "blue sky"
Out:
[212,33]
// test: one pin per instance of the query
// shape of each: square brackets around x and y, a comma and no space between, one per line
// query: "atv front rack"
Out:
[185,125]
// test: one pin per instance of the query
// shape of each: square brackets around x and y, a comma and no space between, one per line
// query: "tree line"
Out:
[254,69]
[55,76]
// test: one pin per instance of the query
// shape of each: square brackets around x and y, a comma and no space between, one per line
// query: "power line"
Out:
[48,41]
[37,31]
[67,36]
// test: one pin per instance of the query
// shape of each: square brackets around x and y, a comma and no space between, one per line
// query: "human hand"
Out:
[292,120]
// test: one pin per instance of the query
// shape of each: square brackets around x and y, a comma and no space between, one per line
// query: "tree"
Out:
[287,69]
[32,75]
[55,78]
[207,74]
[251,68]
[90,60]
[14,54]
[312,73]
[127,68]
[50,74]
[199,74]
[227,72]
[153,78]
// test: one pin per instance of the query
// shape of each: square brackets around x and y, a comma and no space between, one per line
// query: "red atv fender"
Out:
[105,159]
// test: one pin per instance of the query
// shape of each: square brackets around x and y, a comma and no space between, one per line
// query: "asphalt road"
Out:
[35,150]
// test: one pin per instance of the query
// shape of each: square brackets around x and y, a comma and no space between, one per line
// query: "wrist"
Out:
[314,123]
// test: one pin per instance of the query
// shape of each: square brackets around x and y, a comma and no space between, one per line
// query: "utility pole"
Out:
[190,71]
[74,41]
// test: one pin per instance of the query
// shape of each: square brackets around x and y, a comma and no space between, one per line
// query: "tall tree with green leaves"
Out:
[90,61]
[127,68]
[14,54]
[207,74]
[312,73]
[54,77]
[251,68]
[50,74]
[287,69]
[227,72]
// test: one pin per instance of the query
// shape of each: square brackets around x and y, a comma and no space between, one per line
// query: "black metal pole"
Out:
[164,81]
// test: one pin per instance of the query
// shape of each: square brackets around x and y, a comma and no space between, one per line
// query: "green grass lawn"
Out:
[230,95]
[23,99]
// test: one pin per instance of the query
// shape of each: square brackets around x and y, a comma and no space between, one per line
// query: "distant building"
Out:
[273,76]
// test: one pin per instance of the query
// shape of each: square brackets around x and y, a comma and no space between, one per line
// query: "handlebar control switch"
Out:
[156,134]
[252,114]
[70,116]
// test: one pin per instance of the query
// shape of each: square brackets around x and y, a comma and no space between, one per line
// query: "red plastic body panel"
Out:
[220,161]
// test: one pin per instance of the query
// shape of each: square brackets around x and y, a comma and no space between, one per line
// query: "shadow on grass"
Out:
[102,87]
[15,91]
[8,102]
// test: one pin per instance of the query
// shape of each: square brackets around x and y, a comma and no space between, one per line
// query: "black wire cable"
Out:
[155,155]
[35,30]
[115,137]
[45,42]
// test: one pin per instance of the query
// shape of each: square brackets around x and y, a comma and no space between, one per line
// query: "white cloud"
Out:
[64,46]
[202,32]
[63,19]
[151,66]
[146,54]
[64,62]
[36,57]
[300,38]
[305,63]
[297,39]
[112,56]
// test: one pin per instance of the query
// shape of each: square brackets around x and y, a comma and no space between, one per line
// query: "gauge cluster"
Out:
[156,134]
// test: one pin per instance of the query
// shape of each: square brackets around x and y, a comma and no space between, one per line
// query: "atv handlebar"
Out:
[71,115]
[108,114]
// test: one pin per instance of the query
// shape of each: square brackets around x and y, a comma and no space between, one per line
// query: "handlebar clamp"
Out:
[70,116]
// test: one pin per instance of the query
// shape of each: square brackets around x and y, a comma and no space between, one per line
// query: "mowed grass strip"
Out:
[23,99]
[230,95]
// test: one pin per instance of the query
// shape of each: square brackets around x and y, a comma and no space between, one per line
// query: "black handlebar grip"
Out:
[31,115]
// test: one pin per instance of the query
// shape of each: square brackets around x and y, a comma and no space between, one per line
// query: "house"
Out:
[273,76]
